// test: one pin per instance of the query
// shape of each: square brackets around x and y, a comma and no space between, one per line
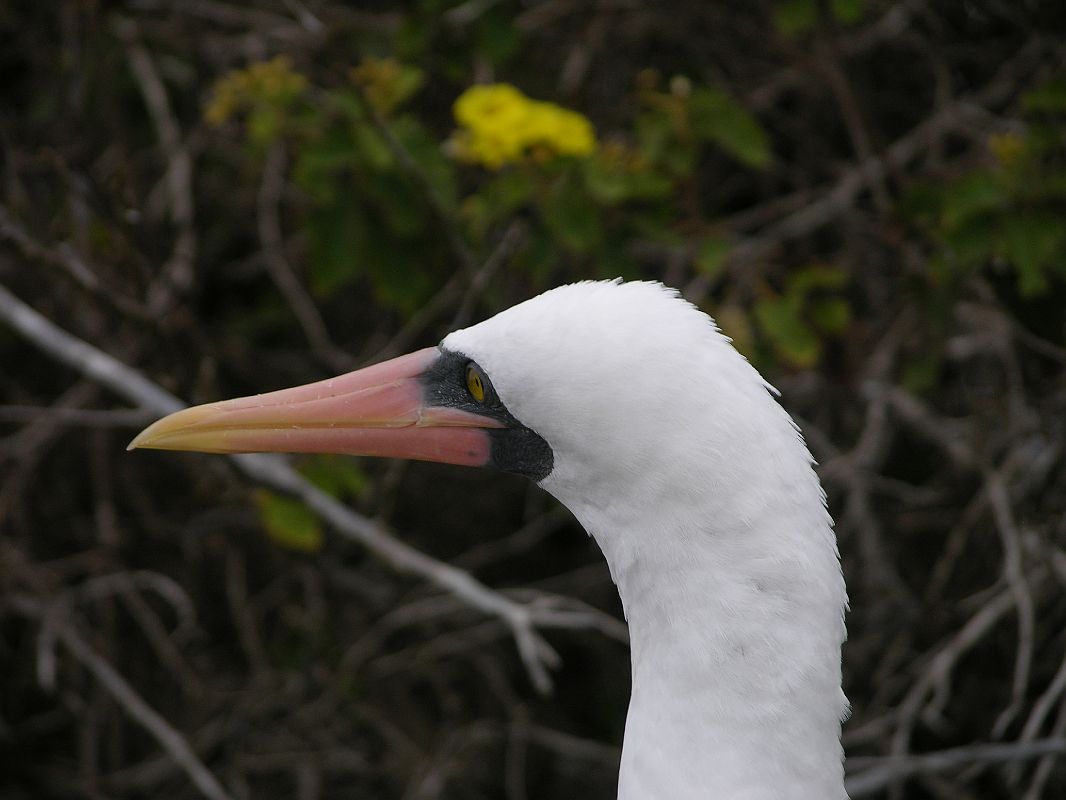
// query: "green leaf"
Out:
[848,11]
[336,475]
[400,272]
[397,204]
[495,36]
[264,124]
[336,234]
[320,160]
[735,322]
[426,152]
[793,320]
[919,374]
[612,183]
[540,256]
[938,269]
[1049,187]
[975,194]
[505,192]
[375,152]
[795,17]
[289,523]
[572,217]
[614,259]
[1050,97]
[659,144]
[718,118]
[1046,142]
[388,83]
[509,190]
[346,104]
[1032,241]
[711,255]
[790,337]
[658,223]
[654,134]
[921,203]
[814,277]
[971,245]
[831,315]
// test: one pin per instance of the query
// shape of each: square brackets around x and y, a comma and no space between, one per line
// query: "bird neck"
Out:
[735,614]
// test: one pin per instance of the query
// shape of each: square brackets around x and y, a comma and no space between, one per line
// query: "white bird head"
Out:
[634,391]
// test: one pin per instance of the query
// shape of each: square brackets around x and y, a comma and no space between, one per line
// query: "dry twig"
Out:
[885,772]
[162,731]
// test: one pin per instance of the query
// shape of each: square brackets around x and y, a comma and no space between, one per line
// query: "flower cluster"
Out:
[386,83]
[271,83]
[1007,148]
[499,125]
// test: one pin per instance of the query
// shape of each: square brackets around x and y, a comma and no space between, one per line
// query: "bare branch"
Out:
[842,195]
[887,771]
[303,308]
[84,357]
[936,676]
[85,417]
[178,274]
[168,737]
[69,262]
[1018,581]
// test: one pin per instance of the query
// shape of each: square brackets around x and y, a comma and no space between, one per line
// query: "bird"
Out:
[629,405]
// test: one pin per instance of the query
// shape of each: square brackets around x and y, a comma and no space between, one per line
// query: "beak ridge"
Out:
[376,411]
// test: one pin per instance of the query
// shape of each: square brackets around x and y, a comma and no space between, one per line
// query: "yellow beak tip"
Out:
[140,440]
[150,436]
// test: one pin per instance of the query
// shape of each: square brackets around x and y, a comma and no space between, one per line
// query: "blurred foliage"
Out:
[289,523]
[583,197]
[264,90]
[809,309]
[1008,213]
[798,17]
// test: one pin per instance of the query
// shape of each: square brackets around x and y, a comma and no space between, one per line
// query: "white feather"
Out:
[671,451]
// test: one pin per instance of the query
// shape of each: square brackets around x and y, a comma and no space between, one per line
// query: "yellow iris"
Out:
[474,384]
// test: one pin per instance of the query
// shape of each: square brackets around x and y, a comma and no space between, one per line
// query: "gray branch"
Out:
[889,770]
[162,731]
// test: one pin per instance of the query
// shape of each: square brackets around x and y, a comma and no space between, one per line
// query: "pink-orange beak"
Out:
[377,411]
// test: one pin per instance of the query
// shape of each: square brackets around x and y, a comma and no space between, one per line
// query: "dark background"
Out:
[867,195]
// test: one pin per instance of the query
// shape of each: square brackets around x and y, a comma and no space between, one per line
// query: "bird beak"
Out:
[377,411]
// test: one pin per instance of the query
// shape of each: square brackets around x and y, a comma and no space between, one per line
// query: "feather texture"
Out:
[672,452]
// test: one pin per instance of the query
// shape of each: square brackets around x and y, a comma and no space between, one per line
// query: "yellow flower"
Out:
[500,125]
[273,83]
[386,82]
[1006,147]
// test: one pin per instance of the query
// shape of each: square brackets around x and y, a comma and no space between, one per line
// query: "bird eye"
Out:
[475,382]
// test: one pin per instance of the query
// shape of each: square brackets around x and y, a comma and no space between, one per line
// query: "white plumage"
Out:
[697,486]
